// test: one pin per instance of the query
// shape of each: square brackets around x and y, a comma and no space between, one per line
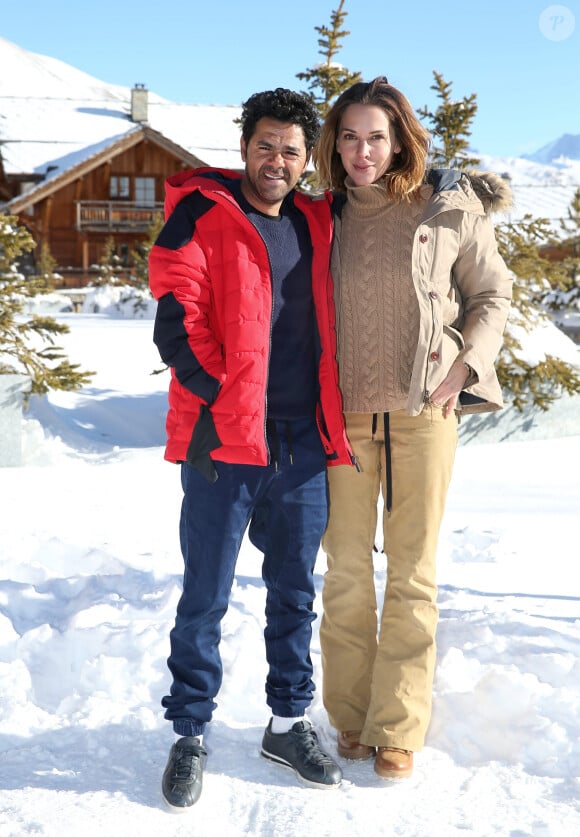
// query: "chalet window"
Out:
[145,191]
[120,187]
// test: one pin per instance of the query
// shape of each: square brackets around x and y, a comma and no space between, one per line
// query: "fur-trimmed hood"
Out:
[455,187]
[491,189]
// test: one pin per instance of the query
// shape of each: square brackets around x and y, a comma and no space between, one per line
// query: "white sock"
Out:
[280,725]
[199,737]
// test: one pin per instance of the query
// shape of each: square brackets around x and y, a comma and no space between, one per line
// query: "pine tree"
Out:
[536,384]
[327,80]
[27,343]
[137,293]
[450,125]
[140,275]
[572,224]
[46,265]
[129,288]
[111,269]
[564,292]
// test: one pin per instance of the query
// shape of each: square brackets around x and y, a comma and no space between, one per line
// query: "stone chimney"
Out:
[139,97]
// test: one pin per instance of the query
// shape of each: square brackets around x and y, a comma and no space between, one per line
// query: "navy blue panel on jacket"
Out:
[180,226]
[169,332]
[169,335]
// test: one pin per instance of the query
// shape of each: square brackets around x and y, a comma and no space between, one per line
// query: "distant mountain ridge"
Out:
[568,145]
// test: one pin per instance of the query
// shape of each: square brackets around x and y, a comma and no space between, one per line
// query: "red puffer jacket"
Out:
[210,272]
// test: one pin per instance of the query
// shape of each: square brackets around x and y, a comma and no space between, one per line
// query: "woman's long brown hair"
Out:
[407,171]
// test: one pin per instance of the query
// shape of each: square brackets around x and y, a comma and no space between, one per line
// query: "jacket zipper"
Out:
[268,455]
[426,393]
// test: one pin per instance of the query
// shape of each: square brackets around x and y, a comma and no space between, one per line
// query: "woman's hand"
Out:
[447,393]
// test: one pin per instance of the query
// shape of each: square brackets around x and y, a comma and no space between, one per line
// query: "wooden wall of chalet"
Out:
[559,251]
[55,218]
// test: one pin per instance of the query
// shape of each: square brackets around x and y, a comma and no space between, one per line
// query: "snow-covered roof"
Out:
[37,134]
[53,117]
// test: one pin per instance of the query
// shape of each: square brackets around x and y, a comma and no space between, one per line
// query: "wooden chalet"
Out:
[84,165]
[114,194]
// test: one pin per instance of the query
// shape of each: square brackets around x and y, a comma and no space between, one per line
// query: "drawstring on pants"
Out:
[289,442]
[389,474]
[272,430]
[389,466]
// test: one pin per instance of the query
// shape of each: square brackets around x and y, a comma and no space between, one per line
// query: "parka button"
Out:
[423,238]
[433,294]
[434,355]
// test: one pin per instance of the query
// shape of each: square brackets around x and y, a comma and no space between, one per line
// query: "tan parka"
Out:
[463,287]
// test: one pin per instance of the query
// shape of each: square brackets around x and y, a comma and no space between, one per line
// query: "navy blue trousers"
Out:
[286,507]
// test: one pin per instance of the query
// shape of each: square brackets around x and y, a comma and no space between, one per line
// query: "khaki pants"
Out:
[378,678]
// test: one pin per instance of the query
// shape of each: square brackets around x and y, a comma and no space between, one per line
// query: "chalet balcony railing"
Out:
[115,216]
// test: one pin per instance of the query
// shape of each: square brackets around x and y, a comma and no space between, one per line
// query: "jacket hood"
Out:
[492,190]
[481,192]
[208,179]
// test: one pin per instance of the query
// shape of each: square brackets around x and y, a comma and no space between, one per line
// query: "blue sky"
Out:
[521,57]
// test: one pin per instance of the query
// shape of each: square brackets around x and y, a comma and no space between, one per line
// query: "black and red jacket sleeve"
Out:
[180,282]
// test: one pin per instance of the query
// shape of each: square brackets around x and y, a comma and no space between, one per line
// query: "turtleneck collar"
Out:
[368,198]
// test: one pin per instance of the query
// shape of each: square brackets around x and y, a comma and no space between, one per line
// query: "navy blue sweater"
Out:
[292,378]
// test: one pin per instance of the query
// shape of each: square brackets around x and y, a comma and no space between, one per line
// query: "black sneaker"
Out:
[299,750]
[183,775]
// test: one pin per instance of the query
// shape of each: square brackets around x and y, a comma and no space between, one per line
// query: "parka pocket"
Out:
[451,345]
[455,335]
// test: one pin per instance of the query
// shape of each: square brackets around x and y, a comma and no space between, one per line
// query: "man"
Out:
[245,322]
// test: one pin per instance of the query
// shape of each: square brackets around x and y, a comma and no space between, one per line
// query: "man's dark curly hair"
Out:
[284,105]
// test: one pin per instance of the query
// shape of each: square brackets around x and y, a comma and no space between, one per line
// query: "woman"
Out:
[422,298]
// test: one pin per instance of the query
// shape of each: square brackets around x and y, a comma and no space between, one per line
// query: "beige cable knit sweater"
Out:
[377,309]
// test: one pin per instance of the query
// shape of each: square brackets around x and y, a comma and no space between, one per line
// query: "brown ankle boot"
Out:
[349,747]
[393,763]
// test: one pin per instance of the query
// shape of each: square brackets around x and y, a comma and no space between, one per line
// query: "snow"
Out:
[90,574]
